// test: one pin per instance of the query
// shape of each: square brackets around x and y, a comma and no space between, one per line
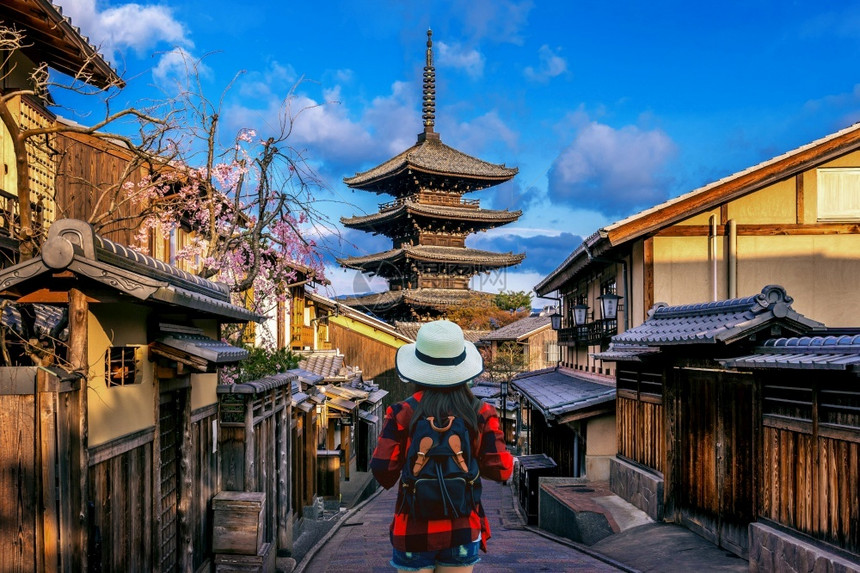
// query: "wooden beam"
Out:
[737,186]
[648,276]
[787,229]
[798,185]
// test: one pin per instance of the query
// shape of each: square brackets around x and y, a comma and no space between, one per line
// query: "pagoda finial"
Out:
[429,104]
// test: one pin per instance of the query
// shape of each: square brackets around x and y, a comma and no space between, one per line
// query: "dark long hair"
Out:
[443,402]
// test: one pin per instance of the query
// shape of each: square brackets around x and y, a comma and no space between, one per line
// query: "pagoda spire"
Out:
[429,93]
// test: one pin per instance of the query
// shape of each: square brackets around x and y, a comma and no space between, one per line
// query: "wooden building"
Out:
[570,417]
[807,452]
[527,344]
[429,266]
[791,220]
[123,454]
[689,428]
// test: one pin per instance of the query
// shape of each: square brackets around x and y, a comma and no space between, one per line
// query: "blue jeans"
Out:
[460,556]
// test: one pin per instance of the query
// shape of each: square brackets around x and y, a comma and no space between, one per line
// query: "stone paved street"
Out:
[361,544]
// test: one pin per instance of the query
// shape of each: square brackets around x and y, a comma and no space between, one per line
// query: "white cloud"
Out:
[471,61]
[475,135]
[551,65]
[496,20]
[136,27]
[612,170]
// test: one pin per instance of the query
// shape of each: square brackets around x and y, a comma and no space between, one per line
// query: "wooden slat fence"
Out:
[810,462]
[39,478]
[640,418]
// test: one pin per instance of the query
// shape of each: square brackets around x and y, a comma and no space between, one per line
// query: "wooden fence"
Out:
[640,418]
[40,481]
[810,463]
[255,441]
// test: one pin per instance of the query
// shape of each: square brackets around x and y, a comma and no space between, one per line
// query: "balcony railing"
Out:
[471,203]
[588,334]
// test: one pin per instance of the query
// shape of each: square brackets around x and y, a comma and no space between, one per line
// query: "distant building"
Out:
[429,266]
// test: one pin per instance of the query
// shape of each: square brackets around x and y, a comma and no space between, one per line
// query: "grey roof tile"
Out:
[556,392]
[806,352]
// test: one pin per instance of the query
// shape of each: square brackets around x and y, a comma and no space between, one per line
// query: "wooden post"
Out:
[284,452]
[250,466]
[79,362]
[344,444]
[185,547]
[47,442]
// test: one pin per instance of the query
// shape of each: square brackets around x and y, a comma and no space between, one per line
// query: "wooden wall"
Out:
[85,168]
[640,416]
[809,471]
[205,482]
[375,358]
[40,478]
[120,485]
[712,463]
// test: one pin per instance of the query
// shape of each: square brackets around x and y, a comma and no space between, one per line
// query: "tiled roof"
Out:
[73,245]
[430,297]
[519,329]
[211,350]
[264,384]
[557,392]
[435,254]
[412,208]
[723,321]
[410,330]
[802,353]
[433,157]
[330,365]
[626,353]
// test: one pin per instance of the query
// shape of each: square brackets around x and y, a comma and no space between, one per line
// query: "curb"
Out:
[300,567]
[565,541]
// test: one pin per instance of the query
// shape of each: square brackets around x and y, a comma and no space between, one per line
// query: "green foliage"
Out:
[513,300]
[262,362]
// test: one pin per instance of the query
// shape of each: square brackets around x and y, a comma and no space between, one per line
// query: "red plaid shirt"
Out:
[414,535]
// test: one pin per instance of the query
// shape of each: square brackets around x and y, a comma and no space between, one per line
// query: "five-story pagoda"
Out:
[429,267]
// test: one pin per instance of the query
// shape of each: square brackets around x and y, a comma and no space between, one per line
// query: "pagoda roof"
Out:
[419,297]
[488,216]
[432,157]
[436,254]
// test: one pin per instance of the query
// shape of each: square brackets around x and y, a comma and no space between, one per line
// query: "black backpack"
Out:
[441,478]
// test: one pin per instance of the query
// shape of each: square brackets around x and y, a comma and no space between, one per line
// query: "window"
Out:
[839,194]
[551,352]
[123,365]
[608,287]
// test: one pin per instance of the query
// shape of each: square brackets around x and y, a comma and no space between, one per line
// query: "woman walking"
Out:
[439,523]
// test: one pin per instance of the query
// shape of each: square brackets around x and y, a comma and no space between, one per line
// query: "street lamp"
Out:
[609,305]
[580,314]
[555,320]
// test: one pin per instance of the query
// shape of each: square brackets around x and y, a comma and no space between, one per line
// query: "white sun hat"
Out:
[440,357]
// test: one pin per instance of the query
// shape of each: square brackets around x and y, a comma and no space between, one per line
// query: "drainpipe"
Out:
[732,259]
[623,263]
[712,253]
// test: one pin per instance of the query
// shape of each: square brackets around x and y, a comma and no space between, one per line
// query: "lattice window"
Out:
[838,404]
[123,366]
[787,399]
[41,163]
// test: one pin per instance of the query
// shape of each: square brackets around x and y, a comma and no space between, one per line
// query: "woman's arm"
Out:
[494,459]
[390,453]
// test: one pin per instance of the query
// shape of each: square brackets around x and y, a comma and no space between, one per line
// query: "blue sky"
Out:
[605,107]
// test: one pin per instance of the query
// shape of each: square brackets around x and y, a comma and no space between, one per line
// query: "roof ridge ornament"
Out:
[428,106]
